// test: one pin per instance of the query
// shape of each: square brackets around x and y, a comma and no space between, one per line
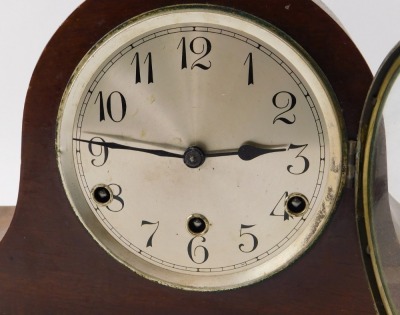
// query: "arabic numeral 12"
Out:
[200,46]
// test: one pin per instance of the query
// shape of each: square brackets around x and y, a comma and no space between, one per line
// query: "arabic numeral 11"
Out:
[149,62]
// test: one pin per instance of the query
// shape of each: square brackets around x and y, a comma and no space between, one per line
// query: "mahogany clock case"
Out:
[49,263]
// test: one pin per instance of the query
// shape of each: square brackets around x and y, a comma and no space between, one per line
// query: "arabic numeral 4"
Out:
[155,226]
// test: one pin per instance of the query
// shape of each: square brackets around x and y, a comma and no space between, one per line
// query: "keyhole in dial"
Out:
[102,194]
[296,204]
[197,224]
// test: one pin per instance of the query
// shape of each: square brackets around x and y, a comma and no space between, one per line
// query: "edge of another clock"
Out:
[6,216]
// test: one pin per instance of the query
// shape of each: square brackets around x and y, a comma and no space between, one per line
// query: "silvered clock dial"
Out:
[200,147]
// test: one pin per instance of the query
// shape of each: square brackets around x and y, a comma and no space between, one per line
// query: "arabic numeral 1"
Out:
[249,60]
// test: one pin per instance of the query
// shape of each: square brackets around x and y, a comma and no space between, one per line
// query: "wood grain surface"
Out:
[49,264]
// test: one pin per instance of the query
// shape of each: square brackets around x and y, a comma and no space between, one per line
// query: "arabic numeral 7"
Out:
[150,240]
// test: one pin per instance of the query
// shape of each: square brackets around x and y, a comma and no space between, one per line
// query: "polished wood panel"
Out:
[49,264]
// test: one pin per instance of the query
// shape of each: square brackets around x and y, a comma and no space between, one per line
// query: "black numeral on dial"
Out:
[150,240]
[198,254]
[249,60]
[291,168]
[251,245]
[114,102]
[279,209]
[149,61]
[98,151]
[199,46]
[285,101]
[117,199]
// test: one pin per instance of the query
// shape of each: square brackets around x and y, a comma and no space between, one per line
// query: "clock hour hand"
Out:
[249,152]
[114,145]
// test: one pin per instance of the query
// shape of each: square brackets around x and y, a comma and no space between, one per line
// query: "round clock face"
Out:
[200,147]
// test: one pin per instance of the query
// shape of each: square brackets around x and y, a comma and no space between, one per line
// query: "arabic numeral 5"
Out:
[250,245]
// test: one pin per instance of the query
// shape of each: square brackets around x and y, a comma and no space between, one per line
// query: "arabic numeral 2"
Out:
[285,101]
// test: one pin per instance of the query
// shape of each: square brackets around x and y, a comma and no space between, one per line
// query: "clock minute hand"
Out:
[113,145]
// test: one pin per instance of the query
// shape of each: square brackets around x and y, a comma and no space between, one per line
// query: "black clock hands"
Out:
[194,156]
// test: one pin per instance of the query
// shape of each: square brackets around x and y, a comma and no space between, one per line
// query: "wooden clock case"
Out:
[49,263]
